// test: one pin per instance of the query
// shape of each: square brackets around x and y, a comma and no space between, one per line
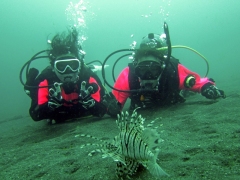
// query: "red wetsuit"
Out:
[70,108]
[123,83]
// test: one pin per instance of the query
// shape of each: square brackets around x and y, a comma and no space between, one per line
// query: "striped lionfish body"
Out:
[133,146]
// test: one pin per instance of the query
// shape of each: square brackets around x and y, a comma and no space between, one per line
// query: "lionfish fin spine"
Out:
[90,136]
[103,144]
[91,144]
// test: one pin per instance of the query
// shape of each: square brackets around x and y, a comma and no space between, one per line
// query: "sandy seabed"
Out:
[201,141]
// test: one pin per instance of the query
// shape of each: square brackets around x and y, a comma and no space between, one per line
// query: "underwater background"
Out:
[211,27]
[200,138]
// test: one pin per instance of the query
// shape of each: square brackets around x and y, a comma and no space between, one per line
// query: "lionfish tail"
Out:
[156,170]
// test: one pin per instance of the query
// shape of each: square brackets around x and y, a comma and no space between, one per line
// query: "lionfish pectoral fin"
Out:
[155,169]
[151,137]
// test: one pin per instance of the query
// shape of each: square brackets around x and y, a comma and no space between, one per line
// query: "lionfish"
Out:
[133,146]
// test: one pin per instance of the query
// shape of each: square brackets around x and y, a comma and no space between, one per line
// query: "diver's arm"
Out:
[38,113]
[184,73]
[205,86]
[39,109]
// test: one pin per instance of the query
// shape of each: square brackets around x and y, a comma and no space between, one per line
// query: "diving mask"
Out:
[67,70]
[149,68]
[67,66]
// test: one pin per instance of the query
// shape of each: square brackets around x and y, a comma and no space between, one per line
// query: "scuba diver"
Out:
[67,88]
[156,78]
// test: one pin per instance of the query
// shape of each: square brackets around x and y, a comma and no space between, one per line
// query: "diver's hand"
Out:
[210,91]
[85,96]
[54,103]
[85,93]
[55,97]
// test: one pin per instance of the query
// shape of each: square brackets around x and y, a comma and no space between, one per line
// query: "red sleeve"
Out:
[122,84]
[43,93]
[96,96]
[183,72]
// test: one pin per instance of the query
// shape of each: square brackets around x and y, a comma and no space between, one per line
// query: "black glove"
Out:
[212,92]
[55,97]
[113,106]
[85,96]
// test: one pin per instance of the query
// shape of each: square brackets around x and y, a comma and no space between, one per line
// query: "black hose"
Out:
[94,62]
[27,65]
[27,70]
[166,31]
[103,73]
[113,69]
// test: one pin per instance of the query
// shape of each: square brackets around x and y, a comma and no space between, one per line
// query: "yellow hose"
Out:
[193,50]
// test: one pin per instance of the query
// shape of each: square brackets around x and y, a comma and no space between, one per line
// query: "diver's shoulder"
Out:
[173,59]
